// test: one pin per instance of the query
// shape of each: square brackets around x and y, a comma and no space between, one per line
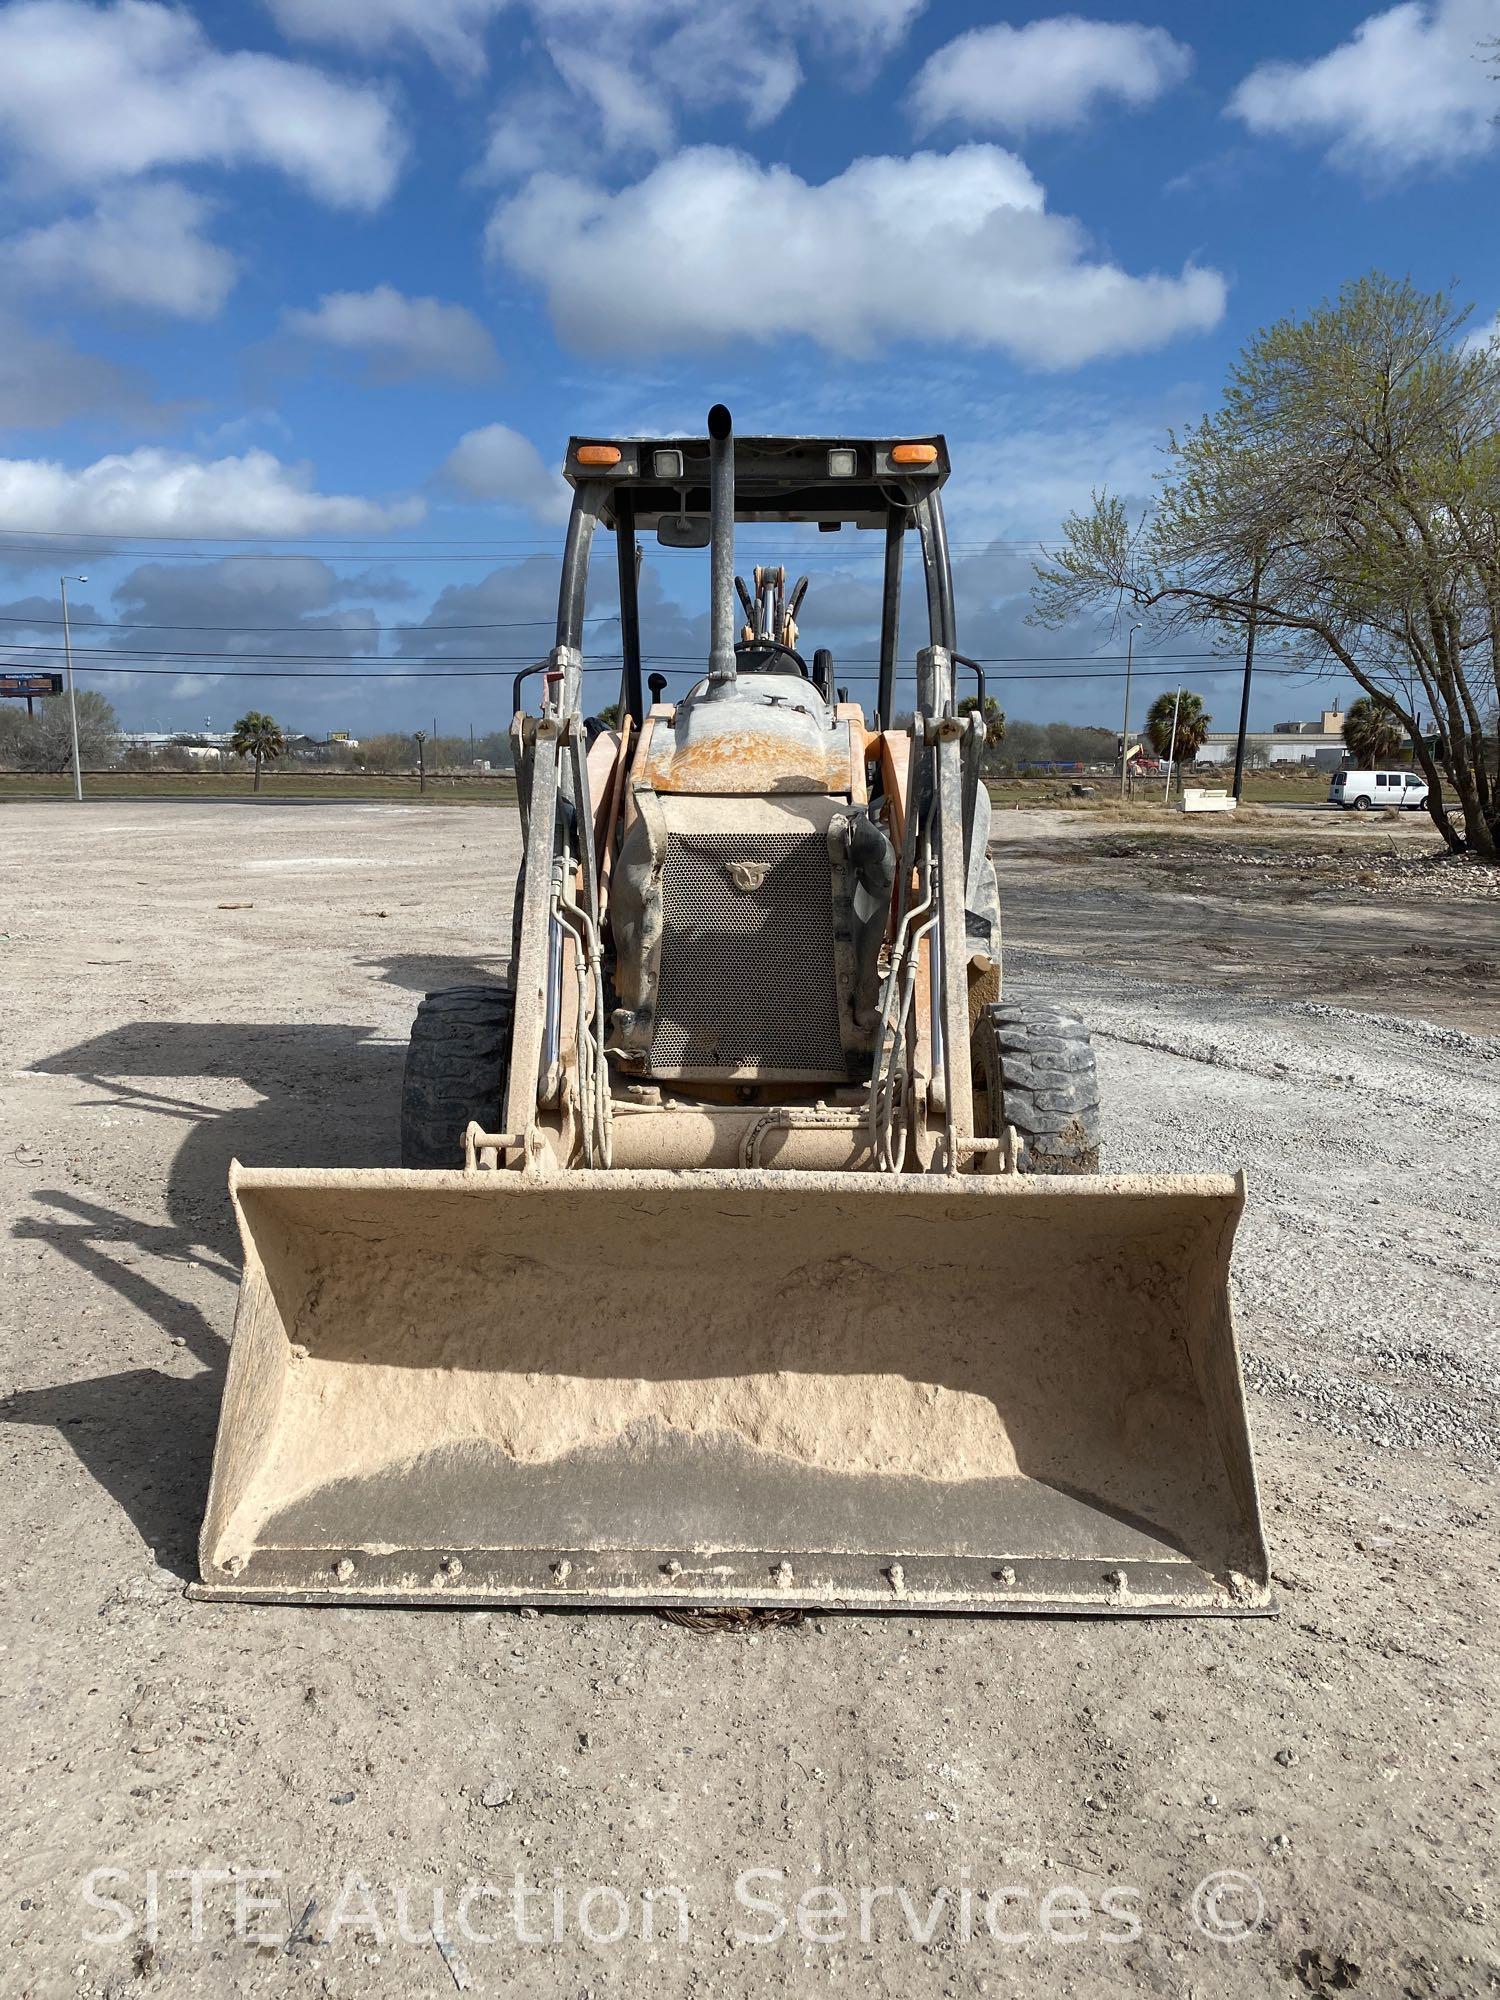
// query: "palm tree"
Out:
[1372,735]
[258,736]
[1192,725]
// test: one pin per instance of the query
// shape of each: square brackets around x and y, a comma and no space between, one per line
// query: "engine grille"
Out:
[747,975]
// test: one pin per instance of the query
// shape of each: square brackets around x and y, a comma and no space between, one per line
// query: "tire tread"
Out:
[456,1066]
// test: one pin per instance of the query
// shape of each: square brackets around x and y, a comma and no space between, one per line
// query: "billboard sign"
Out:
[27,685]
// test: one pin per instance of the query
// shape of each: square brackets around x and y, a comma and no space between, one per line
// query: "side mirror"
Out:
[684,531]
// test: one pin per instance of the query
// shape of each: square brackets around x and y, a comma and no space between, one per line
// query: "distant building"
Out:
[203,746]
[1329,723]
[1326,752]
[184,739]
[1319,743]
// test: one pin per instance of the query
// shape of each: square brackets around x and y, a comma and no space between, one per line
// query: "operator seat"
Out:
[764,656]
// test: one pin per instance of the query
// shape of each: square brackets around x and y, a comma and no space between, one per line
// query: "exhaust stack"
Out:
[721,668]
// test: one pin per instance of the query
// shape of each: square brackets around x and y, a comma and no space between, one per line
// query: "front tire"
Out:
[1035,1066]
[457,1070]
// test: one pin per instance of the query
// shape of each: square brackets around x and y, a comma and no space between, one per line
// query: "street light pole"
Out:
[62,584]
[1125,719]
[1166,796]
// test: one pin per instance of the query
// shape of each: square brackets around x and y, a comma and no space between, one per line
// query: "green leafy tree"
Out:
[1192,726]
[259,737]
[1346,497]
[1372,734]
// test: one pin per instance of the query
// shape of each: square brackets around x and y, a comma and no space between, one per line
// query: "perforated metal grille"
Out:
[747,975]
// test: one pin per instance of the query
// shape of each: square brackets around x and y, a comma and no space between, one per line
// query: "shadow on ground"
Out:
[422,973]
[325,1095]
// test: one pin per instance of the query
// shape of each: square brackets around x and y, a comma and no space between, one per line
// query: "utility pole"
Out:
[1239,748]
[421,761]
[62,584]
[1125,719]
[1166,795]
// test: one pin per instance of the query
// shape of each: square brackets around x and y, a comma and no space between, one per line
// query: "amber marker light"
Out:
[913,454]
[598,454]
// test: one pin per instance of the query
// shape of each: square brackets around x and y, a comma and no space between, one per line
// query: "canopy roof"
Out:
[775,478]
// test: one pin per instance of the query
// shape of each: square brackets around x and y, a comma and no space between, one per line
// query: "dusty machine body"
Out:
[750,1244]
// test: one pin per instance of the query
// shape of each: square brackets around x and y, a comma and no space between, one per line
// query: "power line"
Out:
[152,625]
[694,671]
[770,551]
[1092,661]
[294,544]
[106,653]
[511,625]
[868,546]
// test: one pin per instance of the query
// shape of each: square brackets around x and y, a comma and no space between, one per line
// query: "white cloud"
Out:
[520,597]
[633,66]
[752,42]
[528,130]
[629,115]
[99,93]
[155,492]
[711,60]
[497,463]
[1480,337]
[451,31]
[956,247]
[403,337]
[45,380]
[1050,73]
[276,604]
[1409,89]
[141,246]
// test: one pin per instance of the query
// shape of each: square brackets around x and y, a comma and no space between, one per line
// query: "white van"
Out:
[1362,790]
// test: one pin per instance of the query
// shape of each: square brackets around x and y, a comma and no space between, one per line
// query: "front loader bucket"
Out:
[716,1388]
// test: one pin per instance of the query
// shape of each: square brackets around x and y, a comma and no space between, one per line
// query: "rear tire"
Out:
[457,1069]
[1361,805]
[1035,1064]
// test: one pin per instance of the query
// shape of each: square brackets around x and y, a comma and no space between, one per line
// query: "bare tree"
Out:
[44,742]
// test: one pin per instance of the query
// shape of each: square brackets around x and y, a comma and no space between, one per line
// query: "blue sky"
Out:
[302,300]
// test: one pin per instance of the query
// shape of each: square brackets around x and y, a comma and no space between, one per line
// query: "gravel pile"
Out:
[1451,1041]
[1361,868]
[1368,1259]
[1449,877]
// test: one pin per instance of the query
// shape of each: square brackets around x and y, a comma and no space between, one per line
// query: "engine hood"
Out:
[772,733]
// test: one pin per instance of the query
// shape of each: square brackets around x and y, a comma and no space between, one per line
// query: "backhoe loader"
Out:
[750,1245]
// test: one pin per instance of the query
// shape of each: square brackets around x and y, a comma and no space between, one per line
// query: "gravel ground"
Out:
[187,983]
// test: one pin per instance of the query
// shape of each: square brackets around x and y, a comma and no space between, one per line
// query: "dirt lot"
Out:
[186,983]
